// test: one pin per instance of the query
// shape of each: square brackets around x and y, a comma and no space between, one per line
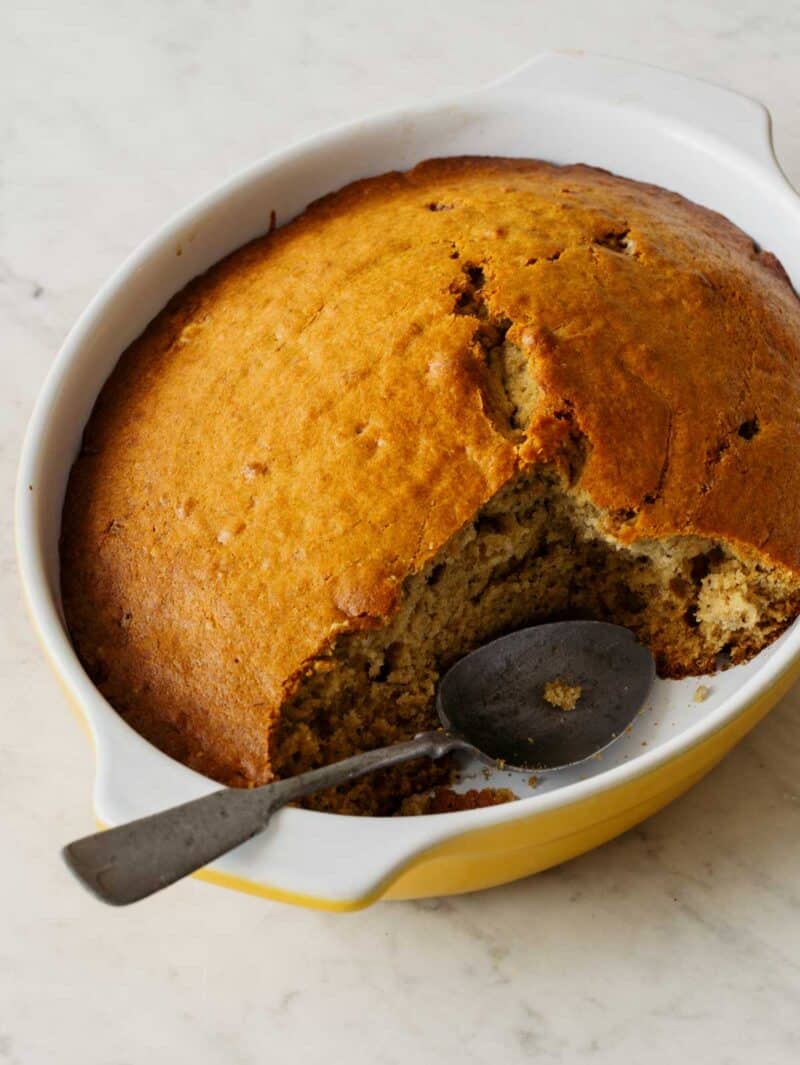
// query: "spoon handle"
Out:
[128,863]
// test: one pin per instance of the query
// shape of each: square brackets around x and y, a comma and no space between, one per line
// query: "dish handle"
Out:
[736,120]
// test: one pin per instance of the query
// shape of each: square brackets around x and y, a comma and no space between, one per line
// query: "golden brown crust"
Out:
[309,422]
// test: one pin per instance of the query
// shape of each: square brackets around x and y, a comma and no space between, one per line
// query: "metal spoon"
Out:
[491,706]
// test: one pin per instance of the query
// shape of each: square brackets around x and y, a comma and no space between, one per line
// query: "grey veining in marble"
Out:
[679,941]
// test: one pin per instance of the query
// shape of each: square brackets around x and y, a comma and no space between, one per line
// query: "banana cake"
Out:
[436,406]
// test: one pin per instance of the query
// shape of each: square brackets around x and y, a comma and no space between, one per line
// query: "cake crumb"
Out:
[701,693]
[561,694]
[533,781]
[444,800]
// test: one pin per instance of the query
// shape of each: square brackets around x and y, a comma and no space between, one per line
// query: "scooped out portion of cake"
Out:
[437,406]
[532,554]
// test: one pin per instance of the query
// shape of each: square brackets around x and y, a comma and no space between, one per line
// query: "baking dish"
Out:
[710,145]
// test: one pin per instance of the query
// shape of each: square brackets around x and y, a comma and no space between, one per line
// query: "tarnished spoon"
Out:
[491,705]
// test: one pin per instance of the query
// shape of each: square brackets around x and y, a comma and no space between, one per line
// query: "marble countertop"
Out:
[678,942]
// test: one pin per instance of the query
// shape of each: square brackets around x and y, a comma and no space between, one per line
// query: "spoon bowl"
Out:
[495,698]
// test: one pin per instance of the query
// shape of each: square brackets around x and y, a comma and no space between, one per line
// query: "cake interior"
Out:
[535,552]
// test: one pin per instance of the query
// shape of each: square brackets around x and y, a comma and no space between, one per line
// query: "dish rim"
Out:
[747,134]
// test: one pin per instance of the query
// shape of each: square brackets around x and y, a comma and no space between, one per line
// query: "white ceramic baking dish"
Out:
[709,144]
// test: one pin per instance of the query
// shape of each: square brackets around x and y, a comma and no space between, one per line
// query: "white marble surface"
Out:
[678,942]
